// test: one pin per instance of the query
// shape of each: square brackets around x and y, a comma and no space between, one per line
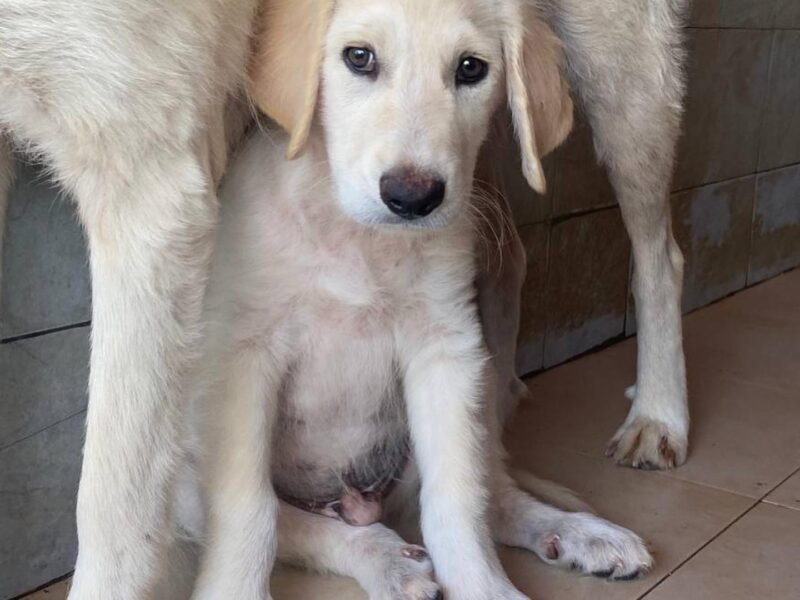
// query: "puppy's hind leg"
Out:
[627,67]
[384,565]
[237,420]
[576,540]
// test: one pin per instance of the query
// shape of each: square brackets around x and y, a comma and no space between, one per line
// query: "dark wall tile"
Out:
[727,85]
[587,284]
[776,224]
[533,320]
[44,380]
[45,268]
[732,13]
[787,14]
[780,130]
[712,225]
[578,181]
[39,479]
[499,167]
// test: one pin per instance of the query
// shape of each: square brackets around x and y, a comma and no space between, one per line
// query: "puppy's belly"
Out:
[341,425]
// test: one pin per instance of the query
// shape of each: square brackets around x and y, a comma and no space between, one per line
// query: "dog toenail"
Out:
[629,577]
[439,595]
[612,448]
[666,451]
[416,553]
[603,574]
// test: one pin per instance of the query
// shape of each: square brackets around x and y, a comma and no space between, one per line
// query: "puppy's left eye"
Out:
[360,61]
[471,70]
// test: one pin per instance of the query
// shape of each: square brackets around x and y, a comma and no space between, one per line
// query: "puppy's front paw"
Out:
[408,575]
[595,546]
[648,444]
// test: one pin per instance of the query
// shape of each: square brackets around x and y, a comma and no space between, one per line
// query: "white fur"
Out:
[126,101]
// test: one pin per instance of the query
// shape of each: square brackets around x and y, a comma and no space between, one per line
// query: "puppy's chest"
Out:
[362,291]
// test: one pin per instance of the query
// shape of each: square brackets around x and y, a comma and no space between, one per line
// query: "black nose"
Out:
[411,193]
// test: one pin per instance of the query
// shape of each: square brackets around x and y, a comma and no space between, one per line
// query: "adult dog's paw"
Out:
[648,444]
[594,546]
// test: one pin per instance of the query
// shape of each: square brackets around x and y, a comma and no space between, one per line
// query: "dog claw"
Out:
[603,574]
[417,553]
[629,576]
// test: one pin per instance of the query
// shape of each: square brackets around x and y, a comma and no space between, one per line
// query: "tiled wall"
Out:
[44,359]
[736,199]
[737,217]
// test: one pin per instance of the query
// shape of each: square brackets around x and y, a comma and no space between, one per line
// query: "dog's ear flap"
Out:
[285,68]
[538,94]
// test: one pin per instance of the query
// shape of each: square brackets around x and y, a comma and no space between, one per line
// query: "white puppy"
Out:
[344,337]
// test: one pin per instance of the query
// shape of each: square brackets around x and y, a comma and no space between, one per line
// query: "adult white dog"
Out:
[133,103]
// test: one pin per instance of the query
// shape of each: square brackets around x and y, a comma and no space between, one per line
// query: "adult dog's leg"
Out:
[578,540]
[386,566]
[124,101]
[625,60]
[150,237]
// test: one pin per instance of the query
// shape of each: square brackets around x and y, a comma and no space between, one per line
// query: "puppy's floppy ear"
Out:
[285,67]
[538,94]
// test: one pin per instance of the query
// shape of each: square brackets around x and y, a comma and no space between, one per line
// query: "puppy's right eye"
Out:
[360,61]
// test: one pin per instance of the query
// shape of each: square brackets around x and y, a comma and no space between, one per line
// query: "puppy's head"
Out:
[405,91]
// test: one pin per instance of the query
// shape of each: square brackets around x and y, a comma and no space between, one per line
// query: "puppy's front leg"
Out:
[444,389]
[242,521]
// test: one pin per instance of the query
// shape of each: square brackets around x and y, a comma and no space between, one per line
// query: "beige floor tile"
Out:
[787,494]
[676,518]
[580,404]
[744,434]
[57,591]
[756,558]
[777,298]
[752,346]
[745,437]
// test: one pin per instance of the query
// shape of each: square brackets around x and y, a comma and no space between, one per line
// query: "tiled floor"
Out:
[724,526]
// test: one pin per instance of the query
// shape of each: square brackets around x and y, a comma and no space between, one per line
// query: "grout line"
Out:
[715,27]
[555,219]
[752,173]
[38,431]
[756,503]
[581,212]
[52,582]
[702,547]
[623,336]
[40,333]
[765,100]
[762,119]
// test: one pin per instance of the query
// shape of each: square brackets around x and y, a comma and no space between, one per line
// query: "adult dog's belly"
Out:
[341,434]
